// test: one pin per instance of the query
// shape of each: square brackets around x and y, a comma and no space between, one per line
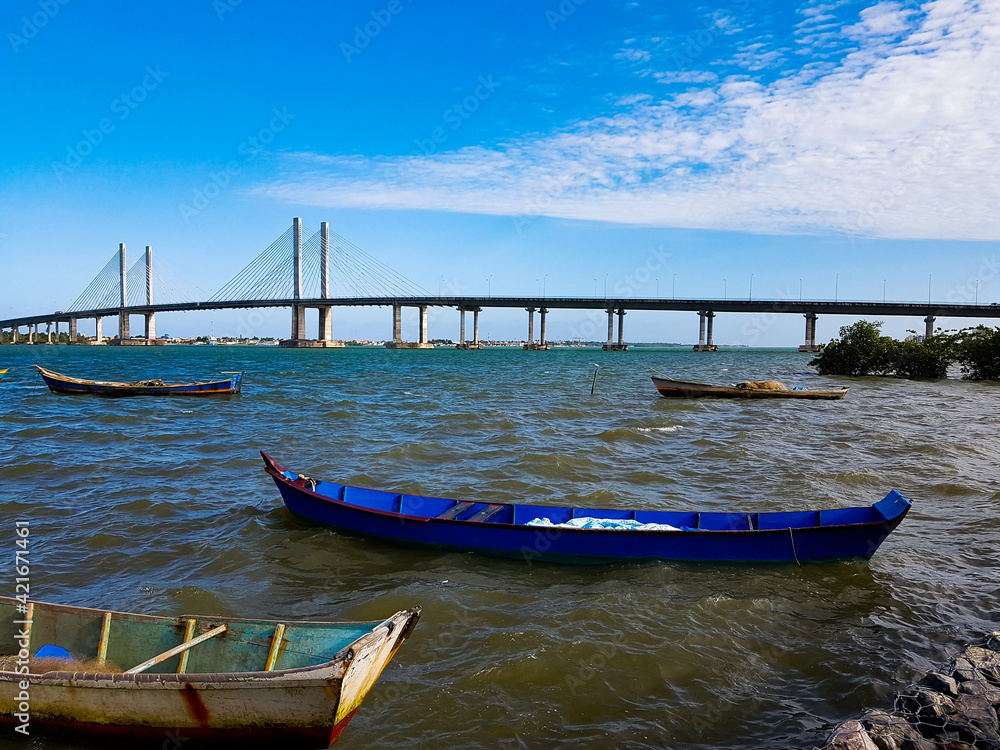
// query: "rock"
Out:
[964,671]
[888,731]
[925,708]
[985,660]
[993,641]
[976,709]
[850,735]
[981,687]
[940,683]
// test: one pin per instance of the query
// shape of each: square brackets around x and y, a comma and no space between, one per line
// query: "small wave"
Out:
[671,428]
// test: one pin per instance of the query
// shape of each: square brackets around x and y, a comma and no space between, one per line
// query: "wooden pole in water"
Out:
[594,384]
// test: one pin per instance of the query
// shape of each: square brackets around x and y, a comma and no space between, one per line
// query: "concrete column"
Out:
[475,326]
[72,330]
[149,275]
[297,259]
[32,332]
[929,326]
[150,326]
[397,323]
[461,325]
[123,332]
[123,272]
[299,318]
[326,324]
[541,332]
[13,334]
[810,329]
[98,336]
[701,328]
[710,317]
[423,324]
[611,327]
[621,327]
[48,332]
[531,324]
[324,263]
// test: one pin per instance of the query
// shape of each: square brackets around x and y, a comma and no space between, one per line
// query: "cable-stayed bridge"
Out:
[322,270]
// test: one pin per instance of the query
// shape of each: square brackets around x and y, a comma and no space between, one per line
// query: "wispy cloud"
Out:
[899,138]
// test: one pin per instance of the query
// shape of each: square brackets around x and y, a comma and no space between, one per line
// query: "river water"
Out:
[161,506]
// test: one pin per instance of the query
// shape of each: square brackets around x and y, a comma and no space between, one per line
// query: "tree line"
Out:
[863,350]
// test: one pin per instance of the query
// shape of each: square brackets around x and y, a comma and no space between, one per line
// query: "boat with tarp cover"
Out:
[671,388]
[590,535]
[65,384]
[117,679]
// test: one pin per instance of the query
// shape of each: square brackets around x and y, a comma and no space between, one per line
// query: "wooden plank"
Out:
[455,510]
[177,650]
[102,648]
[272,655]
[188,633]
[485,513]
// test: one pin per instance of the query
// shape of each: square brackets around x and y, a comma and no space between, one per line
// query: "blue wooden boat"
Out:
[540,532]
[65,384]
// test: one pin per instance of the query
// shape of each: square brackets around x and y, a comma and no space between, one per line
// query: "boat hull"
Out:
[737,543]
[59,383]
[301,707]
[680,389]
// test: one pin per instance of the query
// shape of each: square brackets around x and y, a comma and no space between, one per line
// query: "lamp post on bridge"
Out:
[750,298]
[836,288]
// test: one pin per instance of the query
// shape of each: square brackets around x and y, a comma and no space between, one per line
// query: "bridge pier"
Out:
[706,320]
[611,346]
[397,330]
[72,330]
[461,329]
[48,332]
[123,332]
[810,345]
[99,336]
[531,345]
[929,326]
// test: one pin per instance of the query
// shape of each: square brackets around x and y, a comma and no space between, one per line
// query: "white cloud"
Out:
[899,139]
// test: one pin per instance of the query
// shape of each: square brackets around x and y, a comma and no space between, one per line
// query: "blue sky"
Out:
[677,148]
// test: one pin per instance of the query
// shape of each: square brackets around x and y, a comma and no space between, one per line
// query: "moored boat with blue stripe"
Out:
[556,533]
[65,384]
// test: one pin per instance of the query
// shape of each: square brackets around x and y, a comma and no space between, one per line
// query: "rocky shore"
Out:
[952,709]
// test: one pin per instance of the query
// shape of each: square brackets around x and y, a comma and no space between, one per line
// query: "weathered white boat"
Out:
[671,388]
[195,680]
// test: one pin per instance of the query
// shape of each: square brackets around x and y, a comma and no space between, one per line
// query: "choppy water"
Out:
[161,506]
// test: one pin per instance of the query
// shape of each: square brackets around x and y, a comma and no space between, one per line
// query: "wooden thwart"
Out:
[486,513]
[455,510]
[188,634]
[272,655]
[102,649]
[178,649]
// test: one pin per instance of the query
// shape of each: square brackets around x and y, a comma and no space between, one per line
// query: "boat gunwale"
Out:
[259,678]
[271,467]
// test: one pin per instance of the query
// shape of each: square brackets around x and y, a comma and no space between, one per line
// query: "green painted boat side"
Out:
[321,673]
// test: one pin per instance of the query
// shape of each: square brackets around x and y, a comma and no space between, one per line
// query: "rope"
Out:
[794,554]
